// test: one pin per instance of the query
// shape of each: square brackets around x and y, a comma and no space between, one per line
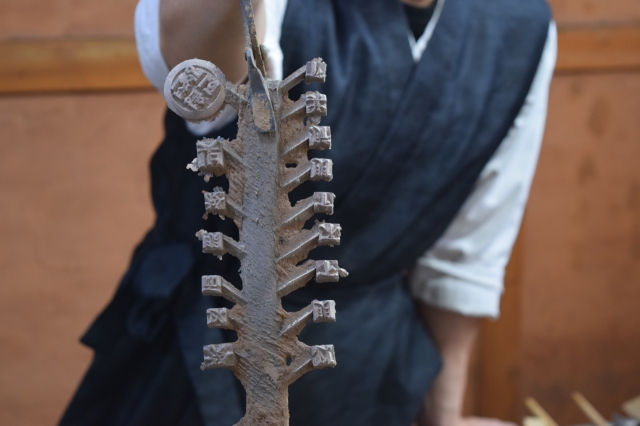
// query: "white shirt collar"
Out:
[418,47]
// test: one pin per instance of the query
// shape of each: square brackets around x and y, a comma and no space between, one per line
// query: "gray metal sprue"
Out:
[274,132]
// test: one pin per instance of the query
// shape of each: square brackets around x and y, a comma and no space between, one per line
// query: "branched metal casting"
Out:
[263,164]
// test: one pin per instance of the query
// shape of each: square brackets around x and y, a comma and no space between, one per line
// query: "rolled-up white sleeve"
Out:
[147,30]
[464,271]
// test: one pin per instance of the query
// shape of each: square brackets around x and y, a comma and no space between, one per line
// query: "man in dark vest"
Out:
[437,110]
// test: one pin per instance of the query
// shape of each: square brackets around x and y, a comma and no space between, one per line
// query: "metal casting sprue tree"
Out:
[274,134]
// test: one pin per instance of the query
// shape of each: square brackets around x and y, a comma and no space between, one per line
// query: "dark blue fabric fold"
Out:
[386,361]
[410,140]
[159,274]
[162,269]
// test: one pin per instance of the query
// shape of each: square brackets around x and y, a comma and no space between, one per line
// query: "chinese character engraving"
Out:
[323,356]
[195,90]
[212,285]
[329,234]
[321,169]
[221,355]
[319,137]
[185,82]
[323,202]
[316,103]
[327,271]
[196,87]
[213,242]
[324,311]
[218,318]
[195,100]
[211,88]
[215,202]
[210,156]
[316,71]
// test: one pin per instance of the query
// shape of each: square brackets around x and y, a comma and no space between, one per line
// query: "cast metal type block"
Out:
[321,169]
[215,202]
[319,137]
[210,157]
[213,242]
[315,71]
[327,271]
[316,104]
[323,356]
[324,311]
[323,202]
[263,164]
[218,318]
[329,234]
[217,356]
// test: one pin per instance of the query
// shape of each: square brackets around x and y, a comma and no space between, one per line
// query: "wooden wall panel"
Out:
[603,49]
[595,12]
[581,278]
[66,18]
[70,66]
[64,65]
[75,200]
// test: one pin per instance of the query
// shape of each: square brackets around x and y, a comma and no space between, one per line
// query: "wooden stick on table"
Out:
[540,412]
[589,410]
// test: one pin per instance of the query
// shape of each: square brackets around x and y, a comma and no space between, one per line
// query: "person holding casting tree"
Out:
[437,111]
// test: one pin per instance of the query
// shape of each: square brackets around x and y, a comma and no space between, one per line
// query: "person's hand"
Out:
[453,334]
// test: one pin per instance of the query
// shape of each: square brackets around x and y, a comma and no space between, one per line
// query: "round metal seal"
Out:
[195,90]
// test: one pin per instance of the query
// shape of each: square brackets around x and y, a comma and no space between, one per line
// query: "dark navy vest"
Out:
[409,142]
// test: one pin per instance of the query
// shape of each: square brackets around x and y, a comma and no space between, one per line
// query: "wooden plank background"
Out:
[37,66]
[603,49]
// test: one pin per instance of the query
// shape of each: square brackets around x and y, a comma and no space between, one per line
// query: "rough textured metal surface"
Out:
[274,134]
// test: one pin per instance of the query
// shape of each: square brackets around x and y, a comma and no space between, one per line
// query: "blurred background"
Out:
[78,124]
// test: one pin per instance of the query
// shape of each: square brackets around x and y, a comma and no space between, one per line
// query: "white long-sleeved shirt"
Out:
[464,270]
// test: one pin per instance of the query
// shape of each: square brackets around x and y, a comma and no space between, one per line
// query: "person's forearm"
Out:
[207,29]
[454,335]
